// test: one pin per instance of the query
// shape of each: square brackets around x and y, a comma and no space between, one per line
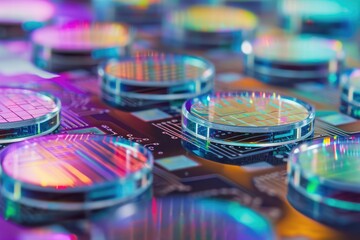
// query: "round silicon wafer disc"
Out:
[248,119]
[158,76]
[291,59]
[325,10]
[326,17]
[80,44]
[302,51]
[75,172]
[201,18]
[323,178]
[26,113]
[17,17]
[144,12]
[197,25]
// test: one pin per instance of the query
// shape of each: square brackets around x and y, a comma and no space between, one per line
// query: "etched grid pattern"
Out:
[68,163]
[155,69]
[17,105]
[250,111]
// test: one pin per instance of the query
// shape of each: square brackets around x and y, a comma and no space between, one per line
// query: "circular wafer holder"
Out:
[231,127]
[73,173]
[250,119]
[153,79]
[80,45]
[25,114]
[322,180]
[195,26]
[289,60]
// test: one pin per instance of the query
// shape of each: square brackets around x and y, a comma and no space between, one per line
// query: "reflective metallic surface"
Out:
[247,118]
[90,166]
[25,113]
[325,173]
[156,77]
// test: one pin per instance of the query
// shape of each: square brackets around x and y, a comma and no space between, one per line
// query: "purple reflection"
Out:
[82,36]
[12,231]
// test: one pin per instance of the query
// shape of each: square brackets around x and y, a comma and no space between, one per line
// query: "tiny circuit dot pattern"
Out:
[157,68]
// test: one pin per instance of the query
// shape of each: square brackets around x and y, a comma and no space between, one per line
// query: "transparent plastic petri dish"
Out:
[252,119]
[197,26]
[289,52]
[79,44]
[289,77]
[295,57]
[325,17]
[323,180]
[157,76]
[145,12]
[22,16]
[74,172]
[26,113]
[187,218]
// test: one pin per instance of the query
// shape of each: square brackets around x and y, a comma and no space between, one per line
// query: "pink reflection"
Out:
[18,11]
[83,36]
[44,235]
[13,231]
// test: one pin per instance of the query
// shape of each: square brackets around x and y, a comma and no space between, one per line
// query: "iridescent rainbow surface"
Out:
[17,105]
[299,49]
[83,36]
[330,159]
[71,161]
[201,18]
[159,67]
[249,110]
[325,10]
